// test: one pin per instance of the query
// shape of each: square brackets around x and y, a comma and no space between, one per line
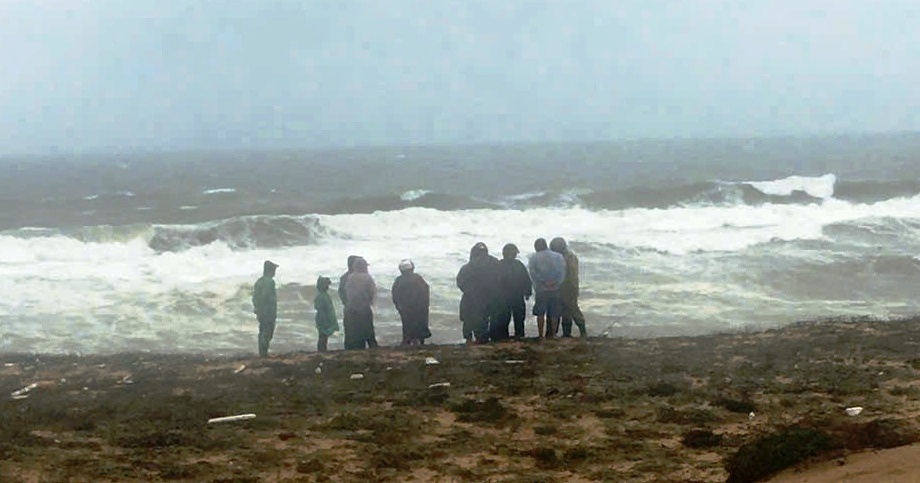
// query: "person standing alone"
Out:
[265,305]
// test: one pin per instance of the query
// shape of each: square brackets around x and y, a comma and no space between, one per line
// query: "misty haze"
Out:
[719,170]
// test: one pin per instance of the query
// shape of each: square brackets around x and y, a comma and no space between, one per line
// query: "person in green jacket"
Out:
[326,321]
[265,305]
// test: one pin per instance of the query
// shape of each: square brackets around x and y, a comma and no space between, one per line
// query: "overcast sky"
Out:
[77,74]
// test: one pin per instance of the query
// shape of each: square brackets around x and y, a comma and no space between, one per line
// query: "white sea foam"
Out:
[82,296]
[819,187]
[413,195]
[526,196]
[218,190]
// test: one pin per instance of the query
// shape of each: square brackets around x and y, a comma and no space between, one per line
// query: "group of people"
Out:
[358,294]
[494,293]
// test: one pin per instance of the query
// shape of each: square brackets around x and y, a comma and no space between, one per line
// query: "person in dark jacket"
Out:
[350,263]
[478,280]
[515,288]
[360,295]
[411,299]
[265,305]
[327,322]
[568,291]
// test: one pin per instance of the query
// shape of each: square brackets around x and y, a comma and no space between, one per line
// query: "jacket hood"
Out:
[323,283]
[558,245]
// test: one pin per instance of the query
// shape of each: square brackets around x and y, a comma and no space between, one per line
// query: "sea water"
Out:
[159,251]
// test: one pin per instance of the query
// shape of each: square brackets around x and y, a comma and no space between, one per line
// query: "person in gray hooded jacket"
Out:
[360,296]
[547,270]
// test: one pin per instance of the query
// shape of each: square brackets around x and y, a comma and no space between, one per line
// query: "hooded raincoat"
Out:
[326,320]
[482,299]
[411,297]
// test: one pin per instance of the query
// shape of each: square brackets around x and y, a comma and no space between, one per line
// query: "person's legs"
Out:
[322,343]
[482,329]
[499,327]
[551,325]
[539,309]
[553,313]
[566,322]
[266,331]
[352,337]
[366,320]
[263,344]
[571,312]
[467,332]
[519,312]
[406,329]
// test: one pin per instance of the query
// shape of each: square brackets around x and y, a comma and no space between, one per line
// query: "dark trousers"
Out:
[322,344]
[516,310]
[266,332]
[477,329]
[359,329]
[567,326]
[571,312]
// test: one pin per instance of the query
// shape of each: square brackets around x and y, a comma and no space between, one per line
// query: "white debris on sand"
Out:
[24,390]
[227,419]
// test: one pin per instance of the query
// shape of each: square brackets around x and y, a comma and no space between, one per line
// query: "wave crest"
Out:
[817,187]
[238,233]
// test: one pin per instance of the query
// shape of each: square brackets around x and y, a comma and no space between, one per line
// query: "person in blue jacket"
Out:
[547,270]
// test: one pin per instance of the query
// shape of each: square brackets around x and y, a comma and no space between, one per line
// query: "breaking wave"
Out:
[239,233]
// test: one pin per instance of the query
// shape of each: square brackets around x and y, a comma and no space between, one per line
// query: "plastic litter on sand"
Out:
[227,419]
[854,411]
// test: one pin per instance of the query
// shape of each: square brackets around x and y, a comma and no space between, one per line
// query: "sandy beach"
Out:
[727,407]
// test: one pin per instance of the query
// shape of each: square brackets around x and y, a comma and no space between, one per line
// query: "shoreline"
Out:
[674,408]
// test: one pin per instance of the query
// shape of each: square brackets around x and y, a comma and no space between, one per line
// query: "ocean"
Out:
[148,251]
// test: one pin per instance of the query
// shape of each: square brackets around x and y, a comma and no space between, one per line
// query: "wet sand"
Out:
[726,407]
